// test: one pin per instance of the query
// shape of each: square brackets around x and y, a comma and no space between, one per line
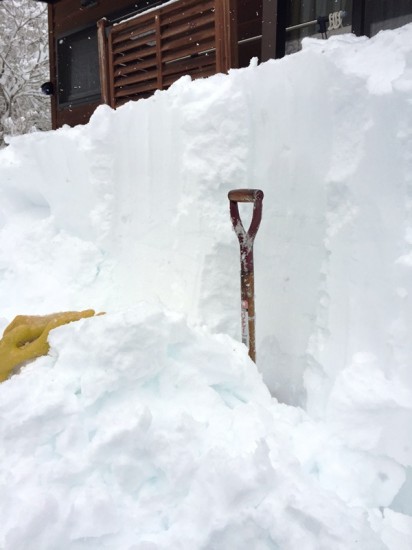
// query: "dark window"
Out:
[386,14]
[301,11]
[302,16]
[78,67]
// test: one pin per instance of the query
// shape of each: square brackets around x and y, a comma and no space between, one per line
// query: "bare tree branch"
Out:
[23,67]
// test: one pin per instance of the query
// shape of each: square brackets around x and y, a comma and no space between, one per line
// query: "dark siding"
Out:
[386,14]
[249,13]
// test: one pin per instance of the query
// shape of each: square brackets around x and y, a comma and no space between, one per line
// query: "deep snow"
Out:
[146,429]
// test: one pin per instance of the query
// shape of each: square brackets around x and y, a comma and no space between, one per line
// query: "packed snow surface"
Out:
[149,427]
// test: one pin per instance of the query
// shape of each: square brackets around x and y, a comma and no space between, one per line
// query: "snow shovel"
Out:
[247,279]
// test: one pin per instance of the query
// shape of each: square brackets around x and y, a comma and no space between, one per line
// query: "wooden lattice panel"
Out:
[154,49]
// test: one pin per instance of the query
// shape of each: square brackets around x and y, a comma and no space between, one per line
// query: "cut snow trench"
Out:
[133,207]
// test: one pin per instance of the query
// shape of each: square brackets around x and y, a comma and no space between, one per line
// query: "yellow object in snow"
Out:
[25,338]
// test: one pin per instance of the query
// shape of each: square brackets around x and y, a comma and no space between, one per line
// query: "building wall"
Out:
[386,14]
[249,15]
[67,17]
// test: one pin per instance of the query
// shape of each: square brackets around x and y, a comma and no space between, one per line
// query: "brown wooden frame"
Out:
[154,49]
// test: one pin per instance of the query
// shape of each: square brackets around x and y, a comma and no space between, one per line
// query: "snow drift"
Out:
[126,423]
[157,436]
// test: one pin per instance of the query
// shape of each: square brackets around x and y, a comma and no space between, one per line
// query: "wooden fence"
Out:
[152,50]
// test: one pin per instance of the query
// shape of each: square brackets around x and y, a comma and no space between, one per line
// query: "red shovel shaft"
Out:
[246,240]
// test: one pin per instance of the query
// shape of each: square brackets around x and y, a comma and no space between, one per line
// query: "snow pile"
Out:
[139,432]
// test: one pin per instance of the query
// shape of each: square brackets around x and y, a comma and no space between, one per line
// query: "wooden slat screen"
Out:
[154,49]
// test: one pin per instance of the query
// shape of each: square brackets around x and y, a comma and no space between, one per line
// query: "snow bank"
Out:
[140,433]
[132,207]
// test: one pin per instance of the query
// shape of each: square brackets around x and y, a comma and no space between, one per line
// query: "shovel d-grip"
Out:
[247,279]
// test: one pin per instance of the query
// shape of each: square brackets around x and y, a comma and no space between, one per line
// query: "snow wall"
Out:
[133,207]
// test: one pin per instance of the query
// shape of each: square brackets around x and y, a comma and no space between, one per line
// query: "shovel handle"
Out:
[246,195]
[246,239]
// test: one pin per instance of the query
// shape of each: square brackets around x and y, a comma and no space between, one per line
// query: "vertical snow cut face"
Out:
[133,208]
